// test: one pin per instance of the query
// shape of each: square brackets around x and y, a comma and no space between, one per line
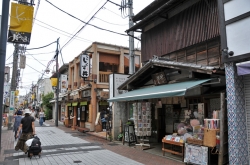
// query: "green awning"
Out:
[168,90]
[74,104]
[103,103]
[84,103]
[69,104]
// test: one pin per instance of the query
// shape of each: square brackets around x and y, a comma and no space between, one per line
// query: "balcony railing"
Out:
[104,77]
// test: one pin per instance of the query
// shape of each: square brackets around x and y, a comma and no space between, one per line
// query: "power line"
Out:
[111,23]
[61,31]
[42,46]
[9,57]
[34,69]
[38,61]
[39,53]
[86,22]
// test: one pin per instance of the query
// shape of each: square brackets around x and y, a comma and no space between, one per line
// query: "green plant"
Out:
[47,105]
[120,136]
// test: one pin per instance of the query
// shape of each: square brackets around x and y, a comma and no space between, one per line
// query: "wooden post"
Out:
[222,126]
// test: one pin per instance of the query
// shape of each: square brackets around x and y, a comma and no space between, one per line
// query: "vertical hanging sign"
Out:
[12,102]
[64,83]
[84,66]
[21,18]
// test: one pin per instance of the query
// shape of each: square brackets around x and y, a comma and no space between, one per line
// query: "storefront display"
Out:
[142,118]
[196,154]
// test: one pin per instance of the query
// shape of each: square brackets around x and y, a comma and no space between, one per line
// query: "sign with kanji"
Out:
[21,19]
[84,66]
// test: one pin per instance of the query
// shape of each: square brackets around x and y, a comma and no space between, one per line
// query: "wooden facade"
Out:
[194,25]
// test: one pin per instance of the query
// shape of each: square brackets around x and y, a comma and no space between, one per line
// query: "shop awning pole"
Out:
[222,124]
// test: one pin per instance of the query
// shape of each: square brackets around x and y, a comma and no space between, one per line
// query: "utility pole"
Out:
[14,80]
[3,42]
[57,86]
[131,39]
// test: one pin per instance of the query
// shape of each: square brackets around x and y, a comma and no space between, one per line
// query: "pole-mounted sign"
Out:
[84,65]
[21,18]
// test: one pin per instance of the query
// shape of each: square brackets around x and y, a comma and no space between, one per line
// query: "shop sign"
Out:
[104,94]
[115,80]
[21,19]
[159,78]
[84,65]
[64,83]
[62,112]
[12,102]
[86,93]
[78,113]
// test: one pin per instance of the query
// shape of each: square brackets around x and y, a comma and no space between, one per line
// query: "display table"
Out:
[172,143]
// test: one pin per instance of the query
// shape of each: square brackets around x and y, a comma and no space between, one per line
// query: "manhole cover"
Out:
[77,161]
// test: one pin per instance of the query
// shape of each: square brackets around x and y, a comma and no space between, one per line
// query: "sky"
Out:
[50,24]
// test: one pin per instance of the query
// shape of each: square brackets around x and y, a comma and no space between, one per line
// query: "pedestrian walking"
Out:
[41,117]
[103,119]
[28,131]
[17,121]
[33,113]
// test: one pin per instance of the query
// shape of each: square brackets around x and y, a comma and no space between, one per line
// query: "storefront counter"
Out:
[172,149]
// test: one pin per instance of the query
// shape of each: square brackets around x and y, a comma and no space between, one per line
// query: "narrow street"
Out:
[65,146]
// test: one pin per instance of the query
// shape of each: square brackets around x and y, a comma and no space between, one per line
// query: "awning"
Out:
[243,68]
[74,104]
[84,103]
[69,104]
[168,90]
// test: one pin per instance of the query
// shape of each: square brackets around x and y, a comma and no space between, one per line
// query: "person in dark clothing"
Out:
[103,120]
[17,121]
[28,131]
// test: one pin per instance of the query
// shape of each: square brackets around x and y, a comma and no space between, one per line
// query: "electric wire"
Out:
[39,53]
[111,23]
[60,30]
[85,22]
[38,61]
[42,46]
[9,57]
[114,3]
[34,69]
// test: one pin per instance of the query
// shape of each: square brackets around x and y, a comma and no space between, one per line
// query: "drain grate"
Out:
[113,144]
[77,161]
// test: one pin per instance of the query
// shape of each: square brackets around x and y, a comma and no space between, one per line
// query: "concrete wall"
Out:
[120,112]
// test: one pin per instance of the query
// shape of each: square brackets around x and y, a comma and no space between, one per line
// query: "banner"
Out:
[84,66]
[6,92]
[64,83]
[21,19]
[12,102]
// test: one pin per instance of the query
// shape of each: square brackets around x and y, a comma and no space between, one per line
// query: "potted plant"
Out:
[120,136]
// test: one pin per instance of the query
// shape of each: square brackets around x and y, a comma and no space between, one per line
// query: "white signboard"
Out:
[64,83]
[84,66]
[12,102]
[6,91]
[115,80]
[119,79]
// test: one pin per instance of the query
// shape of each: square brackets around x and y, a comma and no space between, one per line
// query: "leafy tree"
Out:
[47,105]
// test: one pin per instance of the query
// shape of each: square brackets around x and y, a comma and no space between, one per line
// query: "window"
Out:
[126,63]
[108,63]
[83,113]
[70,110]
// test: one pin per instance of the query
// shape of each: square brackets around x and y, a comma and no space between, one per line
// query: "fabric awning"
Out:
[243,68]
[84,103]
[168,90]
[69,104]
[74,104]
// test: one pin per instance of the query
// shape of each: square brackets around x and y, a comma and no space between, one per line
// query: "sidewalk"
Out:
[62,145]
[125,150]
